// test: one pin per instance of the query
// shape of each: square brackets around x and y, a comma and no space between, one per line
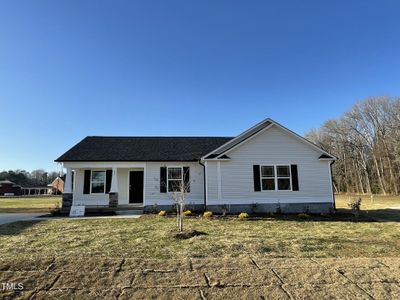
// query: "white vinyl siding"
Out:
[274,146]
[153,195]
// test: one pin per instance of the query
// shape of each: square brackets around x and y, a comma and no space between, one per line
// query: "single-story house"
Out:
[267,168]
[9,188]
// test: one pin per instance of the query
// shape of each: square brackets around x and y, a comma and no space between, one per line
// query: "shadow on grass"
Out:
[383,215]
[15,228]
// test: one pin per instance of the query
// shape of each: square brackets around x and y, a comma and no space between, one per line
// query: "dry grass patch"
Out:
[29,204]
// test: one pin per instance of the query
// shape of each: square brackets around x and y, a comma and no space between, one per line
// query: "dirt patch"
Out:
[161,293]
[382,290]
[222,263]
[259,292]
[314,275]
[187,234]
[245,277]
[325,291]
[170,279]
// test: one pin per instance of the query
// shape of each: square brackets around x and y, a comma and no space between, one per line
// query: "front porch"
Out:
[104,188]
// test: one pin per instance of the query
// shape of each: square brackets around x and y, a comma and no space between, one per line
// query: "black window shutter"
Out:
[108,180]
[163,179]
[86,182]
[256,178]
[295,177]
[186,178]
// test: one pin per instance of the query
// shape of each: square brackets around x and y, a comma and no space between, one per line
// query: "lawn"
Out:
[378,207]
[149,237]
[28,204]
[281,257]
[368,203]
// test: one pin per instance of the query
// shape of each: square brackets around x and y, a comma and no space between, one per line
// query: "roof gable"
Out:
[248,134]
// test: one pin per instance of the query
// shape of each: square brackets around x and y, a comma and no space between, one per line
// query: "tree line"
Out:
[366,139]
[24,178]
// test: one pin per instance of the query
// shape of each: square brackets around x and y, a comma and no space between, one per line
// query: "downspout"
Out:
[333,192]
[204,185]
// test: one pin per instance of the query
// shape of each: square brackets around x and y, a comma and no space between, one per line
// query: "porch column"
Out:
[113,195]
[67,198]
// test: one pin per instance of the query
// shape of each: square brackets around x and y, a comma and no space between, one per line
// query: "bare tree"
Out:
[367,141]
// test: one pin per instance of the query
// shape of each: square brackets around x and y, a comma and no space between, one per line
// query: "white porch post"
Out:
[114,181]
[113,195]
[67,198]
[68,183]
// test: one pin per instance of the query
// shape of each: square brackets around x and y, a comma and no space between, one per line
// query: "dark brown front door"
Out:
[136,187]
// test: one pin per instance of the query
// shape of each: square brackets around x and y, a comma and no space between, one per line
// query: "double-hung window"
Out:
[98,182]
[276,178]
[174,179]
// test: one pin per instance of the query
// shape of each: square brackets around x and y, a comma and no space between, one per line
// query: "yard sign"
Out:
[77,211]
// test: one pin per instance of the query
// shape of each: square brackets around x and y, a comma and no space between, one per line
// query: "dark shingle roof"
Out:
[100,148]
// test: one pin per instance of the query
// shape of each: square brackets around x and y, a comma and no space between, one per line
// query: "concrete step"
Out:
[129,212]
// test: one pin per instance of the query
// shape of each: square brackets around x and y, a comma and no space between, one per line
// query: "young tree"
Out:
[177,191]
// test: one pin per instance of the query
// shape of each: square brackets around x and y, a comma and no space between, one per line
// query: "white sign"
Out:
[77,211]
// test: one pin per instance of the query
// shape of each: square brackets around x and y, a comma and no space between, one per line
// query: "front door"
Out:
[136,187]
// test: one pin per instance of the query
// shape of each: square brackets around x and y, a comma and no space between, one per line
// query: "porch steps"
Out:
[129,209]
[129,212]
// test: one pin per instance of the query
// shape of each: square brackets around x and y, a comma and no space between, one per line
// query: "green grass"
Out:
[150,237]
[28,204]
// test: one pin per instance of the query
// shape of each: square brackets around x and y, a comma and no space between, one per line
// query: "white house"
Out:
[267,168]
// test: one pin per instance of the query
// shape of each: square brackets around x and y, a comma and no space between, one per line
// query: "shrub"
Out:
[243,216]
[355,204]
[303,216]
[187,213]
[162,213]
[208,214]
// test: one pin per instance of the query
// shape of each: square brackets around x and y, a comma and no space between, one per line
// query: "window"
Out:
[283,177]
[276,178]
[174,179]
[268,178]
[98,182]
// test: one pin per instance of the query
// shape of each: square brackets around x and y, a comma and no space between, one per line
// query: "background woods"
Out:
[35,178]
[366,140]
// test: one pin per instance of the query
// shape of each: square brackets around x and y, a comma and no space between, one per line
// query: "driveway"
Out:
[14,217]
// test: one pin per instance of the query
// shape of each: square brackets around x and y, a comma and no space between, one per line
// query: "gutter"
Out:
[204,184]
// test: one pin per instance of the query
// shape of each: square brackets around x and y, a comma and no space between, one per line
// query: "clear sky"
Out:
[69,69]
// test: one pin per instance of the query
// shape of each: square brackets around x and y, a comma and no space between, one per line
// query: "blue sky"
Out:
[69,69]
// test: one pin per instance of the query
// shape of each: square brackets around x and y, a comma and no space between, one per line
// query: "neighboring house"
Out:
[56,187]
[8,188]
[266,168]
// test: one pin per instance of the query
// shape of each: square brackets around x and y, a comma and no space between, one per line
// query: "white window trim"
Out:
[91,181]
[276,177]
[173,167]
